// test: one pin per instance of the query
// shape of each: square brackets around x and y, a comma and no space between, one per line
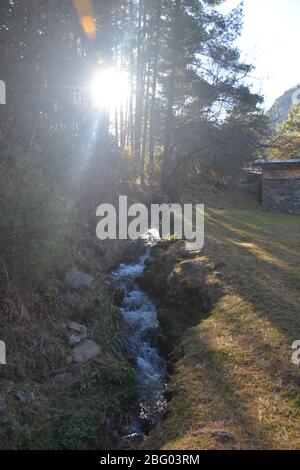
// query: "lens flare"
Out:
[84,9]
[109,89]
[88,25]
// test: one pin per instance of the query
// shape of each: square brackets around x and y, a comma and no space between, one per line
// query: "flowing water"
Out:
[140,313]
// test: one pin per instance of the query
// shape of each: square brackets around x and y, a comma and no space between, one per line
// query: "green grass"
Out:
[58,417]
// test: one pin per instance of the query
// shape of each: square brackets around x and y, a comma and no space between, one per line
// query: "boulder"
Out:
[75,338]
[85,351]
[66,378]
[21,396]
[77,279]
[79,333]
[190,266]
[77,328]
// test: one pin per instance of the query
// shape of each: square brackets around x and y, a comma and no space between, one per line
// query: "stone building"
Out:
[280,185]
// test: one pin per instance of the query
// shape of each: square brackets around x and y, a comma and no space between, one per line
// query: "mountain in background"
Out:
[278,113]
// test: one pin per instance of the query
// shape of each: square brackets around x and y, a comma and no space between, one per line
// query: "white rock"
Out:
[21,396]
[66,377]
[81,329]
[75,338]
[85,351]
[77,279]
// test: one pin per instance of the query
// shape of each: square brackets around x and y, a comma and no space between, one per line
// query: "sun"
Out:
[109,89]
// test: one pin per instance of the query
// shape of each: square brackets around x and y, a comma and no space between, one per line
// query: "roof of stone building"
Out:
[275,163]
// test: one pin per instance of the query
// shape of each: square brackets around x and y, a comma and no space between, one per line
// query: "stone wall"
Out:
[281,195]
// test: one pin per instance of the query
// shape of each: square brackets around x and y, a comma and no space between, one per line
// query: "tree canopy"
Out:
[186,105]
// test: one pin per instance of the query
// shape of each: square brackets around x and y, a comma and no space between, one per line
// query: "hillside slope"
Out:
[278,113]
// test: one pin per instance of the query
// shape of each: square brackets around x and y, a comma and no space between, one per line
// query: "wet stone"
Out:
[21,396]
[85,351]
[77,279]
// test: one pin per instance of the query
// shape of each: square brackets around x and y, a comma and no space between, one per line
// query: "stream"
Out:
[140,313]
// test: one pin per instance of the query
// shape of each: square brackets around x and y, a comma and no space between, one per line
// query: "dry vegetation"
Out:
[46,402]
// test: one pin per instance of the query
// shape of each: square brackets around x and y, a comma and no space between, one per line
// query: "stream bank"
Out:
[139,311]
[183,293]
[118,397]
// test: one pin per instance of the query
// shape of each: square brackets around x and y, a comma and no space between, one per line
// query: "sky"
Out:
[270,41]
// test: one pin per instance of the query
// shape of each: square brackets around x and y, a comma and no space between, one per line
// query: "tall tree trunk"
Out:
[122,128]
[117,125]
[169,124]
[131,65]
[146,116]
[139,81]
[158,5]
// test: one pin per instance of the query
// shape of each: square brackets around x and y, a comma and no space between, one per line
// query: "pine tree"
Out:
[287,139]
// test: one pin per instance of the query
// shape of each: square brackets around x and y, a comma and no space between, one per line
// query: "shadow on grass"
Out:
[210,396]
[259,271]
